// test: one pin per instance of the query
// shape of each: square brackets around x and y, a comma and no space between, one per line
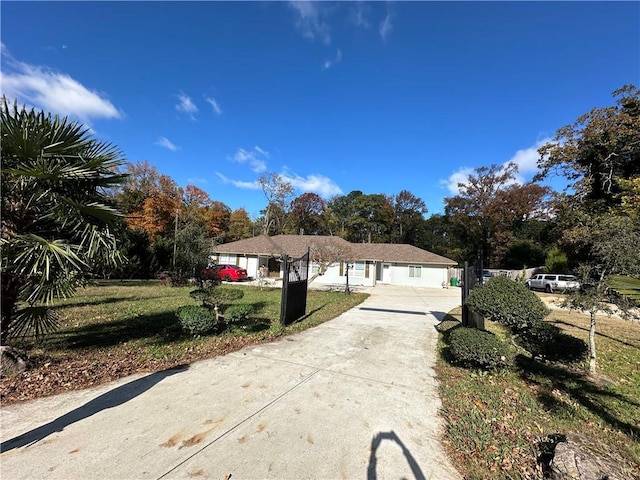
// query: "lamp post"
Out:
[346,288]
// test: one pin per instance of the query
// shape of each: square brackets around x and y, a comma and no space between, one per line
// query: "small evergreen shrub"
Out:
[470,347]
[236,313]
[551,343]
[510,303]
[196,319]
[222,296]
[200,295]
[214,295]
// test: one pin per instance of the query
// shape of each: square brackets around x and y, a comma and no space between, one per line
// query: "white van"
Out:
[551,282]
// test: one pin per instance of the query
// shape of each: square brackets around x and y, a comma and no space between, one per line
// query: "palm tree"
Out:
[55,214]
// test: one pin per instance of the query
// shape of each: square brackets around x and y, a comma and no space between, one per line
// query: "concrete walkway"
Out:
[352,398]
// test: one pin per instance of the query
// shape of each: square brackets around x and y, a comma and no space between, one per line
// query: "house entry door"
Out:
[386,273]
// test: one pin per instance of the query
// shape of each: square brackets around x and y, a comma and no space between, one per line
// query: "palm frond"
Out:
[37,256]
[34,320]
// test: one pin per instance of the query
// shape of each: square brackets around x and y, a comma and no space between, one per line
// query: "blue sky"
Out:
[378,97]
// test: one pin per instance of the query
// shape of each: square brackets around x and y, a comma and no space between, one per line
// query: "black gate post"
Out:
[465,294]
[472,279]
[294,288]
[285,290]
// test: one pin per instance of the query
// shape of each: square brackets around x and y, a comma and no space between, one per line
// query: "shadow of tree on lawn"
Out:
[579,388]
[162,326]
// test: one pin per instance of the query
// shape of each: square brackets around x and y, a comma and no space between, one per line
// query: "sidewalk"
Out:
[354,397]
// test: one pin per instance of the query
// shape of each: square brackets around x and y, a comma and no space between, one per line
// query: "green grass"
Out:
[114,328]
[627,286]
[498,424]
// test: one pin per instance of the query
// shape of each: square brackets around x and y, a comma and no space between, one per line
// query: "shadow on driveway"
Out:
[375,444]
[110,399]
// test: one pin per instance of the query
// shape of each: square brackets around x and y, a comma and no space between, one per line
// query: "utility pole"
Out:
[175,241]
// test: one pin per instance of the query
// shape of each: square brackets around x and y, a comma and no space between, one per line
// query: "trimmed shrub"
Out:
[510,303]
[470,347]
[215,295]
[200,295]
[222,296]
[236,313]
[551,343]
[196,320]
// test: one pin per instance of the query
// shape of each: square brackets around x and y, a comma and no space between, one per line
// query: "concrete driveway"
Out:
[352,398]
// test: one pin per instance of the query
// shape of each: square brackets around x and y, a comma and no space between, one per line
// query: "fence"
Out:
[294,288]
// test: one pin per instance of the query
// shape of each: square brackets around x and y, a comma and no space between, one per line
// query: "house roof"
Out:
[400,253]
[297,245]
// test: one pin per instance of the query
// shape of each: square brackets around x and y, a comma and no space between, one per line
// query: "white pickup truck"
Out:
[551,282]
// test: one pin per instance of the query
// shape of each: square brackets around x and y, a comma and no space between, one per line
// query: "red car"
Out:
[231,273]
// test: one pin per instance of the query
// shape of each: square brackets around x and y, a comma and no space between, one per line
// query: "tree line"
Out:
[495,218]
[73,209]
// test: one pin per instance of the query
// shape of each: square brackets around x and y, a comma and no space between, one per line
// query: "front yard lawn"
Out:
[497,423]
[114,329]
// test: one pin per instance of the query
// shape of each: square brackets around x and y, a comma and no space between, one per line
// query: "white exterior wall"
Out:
[332,277]
[430,275]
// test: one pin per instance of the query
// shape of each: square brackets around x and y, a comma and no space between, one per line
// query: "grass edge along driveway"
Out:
[497,423]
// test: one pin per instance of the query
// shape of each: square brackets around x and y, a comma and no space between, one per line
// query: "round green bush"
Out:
[222,296]
[470,347]
[236,313]
[551,343]
[510,303]
[196,319]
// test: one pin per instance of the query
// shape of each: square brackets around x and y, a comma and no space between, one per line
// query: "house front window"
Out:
[358,269]
[415,271]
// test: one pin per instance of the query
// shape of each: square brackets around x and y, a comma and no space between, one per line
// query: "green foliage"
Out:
[521,253]
[213,309]
[598,151]
[56,218]
[507,302]
[196,320]
[470,347]
[200,295]
[222,296]
[547,341]
[192,249]
[556,261]
[625,286]
[236,313]
[216,296]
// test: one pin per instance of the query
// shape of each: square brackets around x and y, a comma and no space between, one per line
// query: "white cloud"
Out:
[52,91]
[386,27]
[310,22]
[525,159]
[166,143]
[186,105]
[359,15]
[256,158]
[216,106]
[460,176]
[196,180]
[323,186]
[330,63]
[238,183]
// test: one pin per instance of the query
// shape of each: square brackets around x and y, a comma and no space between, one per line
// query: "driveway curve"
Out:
[355,397]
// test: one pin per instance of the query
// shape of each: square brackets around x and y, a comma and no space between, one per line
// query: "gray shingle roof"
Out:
[297,245]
